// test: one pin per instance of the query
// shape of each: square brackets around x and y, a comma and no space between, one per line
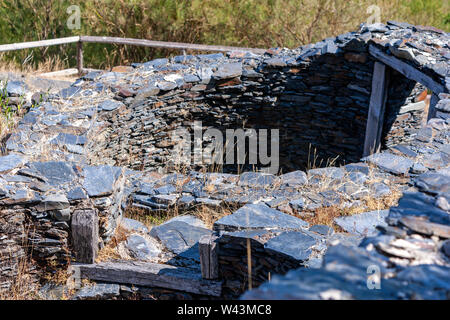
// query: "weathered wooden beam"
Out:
[375,117]
[36,44]
[85,235]
[166,45]
[407,70]
[148,274]
[209,259]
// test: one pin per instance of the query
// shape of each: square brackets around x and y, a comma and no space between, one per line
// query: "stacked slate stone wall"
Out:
[319,102]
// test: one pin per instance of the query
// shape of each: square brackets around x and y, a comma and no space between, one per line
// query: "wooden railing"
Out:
[125,41]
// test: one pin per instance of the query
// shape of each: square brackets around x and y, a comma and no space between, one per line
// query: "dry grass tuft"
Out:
[109,252]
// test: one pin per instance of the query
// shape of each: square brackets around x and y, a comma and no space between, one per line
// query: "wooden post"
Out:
[85,235]
[432,107]
[80,57]
[375,117]
[209,259]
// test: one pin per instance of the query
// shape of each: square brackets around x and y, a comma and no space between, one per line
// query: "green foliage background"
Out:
[252,23]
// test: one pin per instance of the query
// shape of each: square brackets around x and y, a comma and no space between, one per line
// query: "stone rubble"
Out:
[104,144]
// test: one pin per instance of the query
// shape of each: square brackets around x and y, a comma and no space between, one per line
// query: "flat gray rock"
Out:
[189,219]
[294,178]
[295,244]
[54,172]
[16,88]
[259,216]
[98,291]
[141,248]
[390,162]
[10,162]
[100,180]
[256,179]
[363,223]
[433,182]
[180,238]
[227,71]
[133,225]
[110,105]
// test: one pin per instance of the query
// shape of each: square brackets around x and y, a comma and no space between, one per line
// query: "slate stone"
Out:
[100,180]
[227,71]
[166,85]
[141,248]
[110,105]
[433,182]
[210,57]
[256,179]
[292,243]
[422,226]
[275,62]
[418,168]
[379,189]
[431,276]
[363,223]
[53,202]
[329,172]
[98,291]
[180,238]
[69,92]
[16,88]
[258,216]
[157,63]
[166,199]
[11,161]
[357,167]
[189,219]
[297,204]
[390,163]
[208,202]
[147,91]
[66,138]
[294,178]
[322,229]
[166,189]
[419,204]
[446,248]
[133,225]
[76,193]
[375,27]
[54,173]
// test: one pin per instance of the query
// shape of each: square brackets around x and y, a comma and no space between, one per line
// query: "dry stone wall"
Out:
[96,144]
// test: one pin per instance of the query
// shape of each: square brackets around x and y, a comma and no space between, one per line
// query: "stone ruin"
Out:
[102,146]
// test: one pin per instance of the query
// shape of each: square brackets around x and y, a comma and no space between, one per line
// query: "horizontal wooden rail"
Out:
[36,44]
[166,45]
[124,41]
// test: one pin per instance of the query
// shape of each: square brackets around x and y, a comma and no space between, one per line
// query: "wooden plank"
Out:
[36,44]
[377,103]
[407,70]
[166,45]
[432,107]
[149,274]
[85,235]
[209,259]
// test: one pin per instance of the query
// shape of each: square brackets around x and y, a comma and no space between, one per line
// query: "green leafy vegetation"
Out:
[252,23]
